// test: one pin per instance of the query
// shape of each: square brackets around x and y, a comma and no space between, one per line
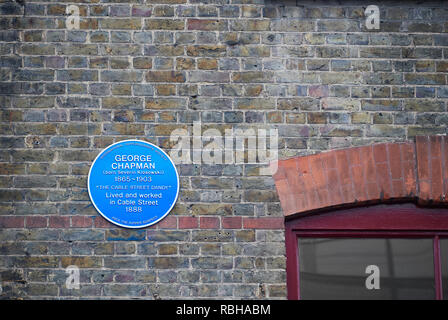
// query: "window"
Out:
[378,252]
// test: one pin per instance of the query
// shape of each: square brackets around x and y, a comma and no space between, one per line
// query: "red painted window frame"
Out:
[392,220]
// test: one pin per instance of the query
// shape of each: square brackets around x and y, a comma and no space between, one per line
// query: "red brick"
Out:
[409,168]
[359,182]
[169,222]
[373,193]
[445,165]
[317,172]
[310,192]
[347,194]
[12,222]
[334,187]
[354,156]
[423,168]
[394,160]
[435,146]
[384,181]
[424,190]
[264,223]
[301,165]
[274,169]
[206,24]
[436,179]
[318,91]
[288,199]
[294,177]
[328,160]
[423,156]
[436,168]
[372,189]
[324,197]
[368,165]
[301,204]
[379,152]
[398,189]
[81,222]
[345,179]
[231,222]
[311,199]
[36,222]
[59,222]
[320,180]
[188,222]
[209,222]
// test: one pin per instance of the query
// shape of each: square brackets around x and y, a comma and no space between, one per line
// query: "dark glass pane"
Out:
[336,268]
[444,266]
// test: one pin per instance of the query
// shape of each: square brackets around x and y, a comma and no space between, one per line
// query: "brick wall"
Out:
[140,69]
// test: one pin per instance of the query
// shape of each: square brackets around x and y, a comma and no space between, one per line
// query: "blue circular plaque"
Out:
[133,184]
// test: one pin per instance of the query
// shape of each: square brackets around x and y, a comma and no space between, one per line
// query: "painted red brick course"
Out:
[209,222]
[12,222]
[36,222]
[188,222]
[82,222]
[381,172]
[231,222]
[59,222]
[264,223]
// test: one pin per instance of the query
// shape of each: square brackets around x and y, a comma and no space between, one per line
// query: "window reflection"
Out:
[444,266]
[335,268]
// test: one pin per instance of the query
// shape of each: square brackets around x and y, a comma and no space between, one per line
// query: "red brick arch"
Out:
[415,171]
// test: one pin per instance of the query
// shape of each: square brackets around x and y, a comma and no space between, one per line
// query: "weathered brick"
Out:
[211,235]
[208,76]
[165,76]
[82,235]
[127,262]
[250,25]
[424,106]
[125,235]
[124,23]
[123,129]
[210,103]
[298,104]
[36,262]
[165,24]
[165,103]
[206,50]
[254,104]
[249,51]
[424,79]
[122,103]
[121,76]
[78,49]
[292,25]
[385,131]
[381,105]
[168,262]
[77,75]
[34,75]
[81,262]
[252,77]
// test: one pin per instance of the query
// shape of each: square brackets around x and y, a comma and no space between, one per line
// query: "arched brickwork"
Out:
[415,170]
